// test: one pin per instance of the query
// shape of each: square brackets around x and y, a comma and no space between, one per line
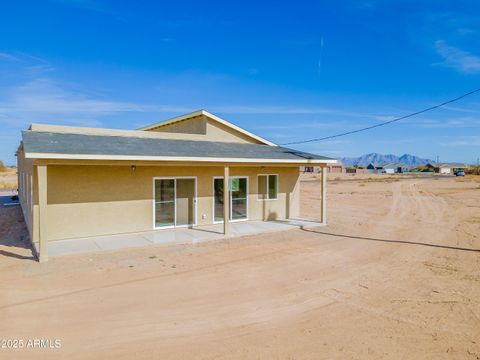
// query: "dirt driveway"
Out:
[396,274]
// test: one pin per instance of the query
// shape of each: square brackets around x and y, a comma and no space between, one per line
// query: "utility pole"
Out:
[438,159]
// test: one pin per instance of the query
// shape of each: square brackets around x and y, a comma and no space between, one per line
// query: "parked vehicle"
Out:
[460,173]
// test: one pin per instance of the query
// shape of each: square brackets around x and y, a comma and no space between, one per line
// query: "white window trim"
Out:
[258,193]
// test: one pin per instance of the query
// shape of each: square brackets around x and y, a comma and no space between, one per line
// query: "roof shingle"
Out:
[80,144]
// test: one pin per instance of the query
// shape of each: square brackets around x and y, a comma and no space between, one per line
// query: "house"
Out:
[395,168]
[446,168]
[307,169]
[192,170]
[336,168]
[375,168]
[389,168]
[356,170]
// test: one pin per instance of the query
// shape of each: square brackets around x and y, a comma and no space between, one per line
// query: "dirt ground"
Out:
[395,275]
[8,178]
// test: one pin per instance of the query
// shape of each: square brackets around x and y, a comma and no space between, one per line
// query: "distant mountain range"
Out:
[375,158]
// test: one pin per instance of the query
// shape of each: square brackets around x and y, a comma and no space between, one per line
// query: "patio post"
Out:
[226,199]
[324,195]
[42,212]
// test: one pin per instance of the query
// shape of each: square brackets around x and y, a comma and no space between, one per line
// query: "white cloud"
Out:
[8,57]
[46,98]
[270,109]
[464,31]
[463,110]
[458,59]
[462,141]
[446,123]
[384,117]
[43,99]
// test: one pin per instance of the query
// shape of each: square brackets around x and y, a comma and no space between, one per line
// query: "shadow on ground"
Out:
[14,238]
[389,241]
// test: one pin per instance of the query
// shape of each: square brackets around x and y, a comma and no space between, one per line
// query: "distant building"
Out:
[356,170]
[375,168]
[389,169]
[447,168]
[307,169]
[337,168]
[395,168]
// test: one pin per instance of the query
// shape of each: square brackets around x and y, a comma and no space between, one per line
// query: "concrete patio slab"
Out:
[72,246]
[121,241]
[173,236]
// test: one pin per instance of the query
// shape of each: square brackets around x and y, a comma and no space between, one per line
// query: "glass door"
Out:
[164,202]
[175,202]
[184,202]
[238,198]
[218,199]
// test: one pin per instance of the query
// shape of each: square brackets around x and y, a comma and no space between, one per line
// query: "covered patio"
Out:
[185,235]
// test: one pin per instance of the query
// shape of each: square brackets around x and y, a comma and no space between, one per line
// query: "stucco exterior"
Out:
[99,200]
[203,125]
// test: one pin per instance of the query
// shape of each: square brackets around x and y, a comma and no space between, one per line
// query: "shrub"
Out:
[474,170]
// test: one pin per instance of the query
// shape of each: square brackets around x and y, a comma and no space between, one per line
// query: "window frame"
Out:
[267,192]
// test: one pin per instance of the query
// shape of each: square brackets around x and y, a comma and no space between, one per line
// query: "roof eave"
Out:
[57,156]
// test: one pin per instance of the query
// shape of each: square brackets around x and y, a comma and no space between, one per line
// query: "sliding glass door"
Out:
[164,202]
[174,203]
[217,199]
[185,202]
[237,198]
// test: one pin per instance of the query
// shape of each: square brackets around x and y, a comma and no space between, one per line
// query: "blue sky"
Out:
[285,70]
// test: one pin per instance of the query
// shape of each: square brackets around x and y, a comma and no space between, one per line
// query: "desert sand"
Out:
[8,178]
[395,275]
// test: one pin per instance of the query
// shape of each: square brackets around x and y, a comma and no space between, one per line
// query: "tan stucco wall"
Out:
[98,200]
[212,130]
[196,125]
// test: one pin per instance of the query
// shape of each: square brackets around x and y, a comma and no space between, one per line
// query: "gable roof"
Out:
[210,116]
[447,165]
[51,145]
[396,165]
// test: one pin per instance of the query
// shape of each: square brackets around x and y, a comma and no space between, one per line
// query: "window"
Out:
[27,197]
[30,190]
[22,185]
[267,187]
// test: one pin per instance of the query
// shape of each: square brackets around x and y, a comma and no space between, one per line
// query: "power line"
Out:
[386,122]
